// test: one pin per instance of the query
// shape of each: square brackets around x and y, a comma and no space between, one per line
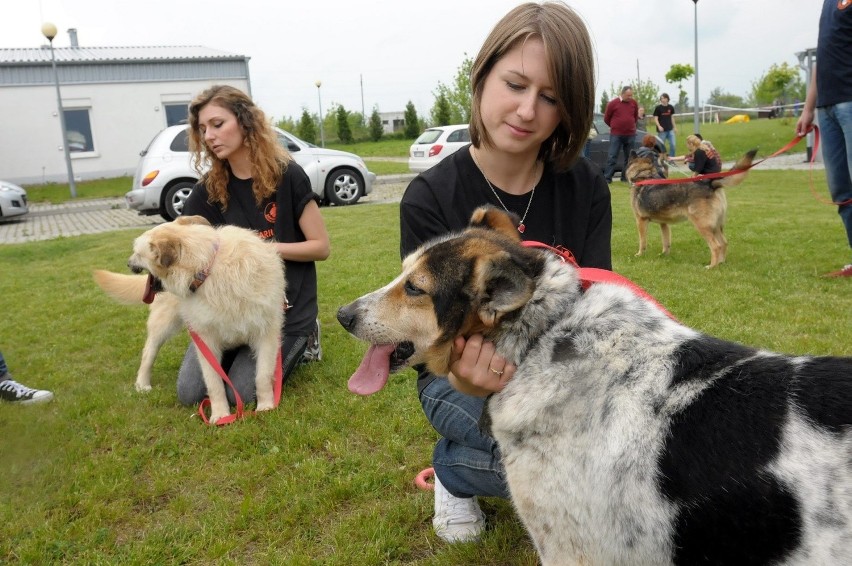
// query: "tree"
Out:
[645,93]
[676,75]
[720,98]
[605,98]
[412,123]
[441,113]
[780,82]
[344,132]
[458,95]
[285,123]
[307,129]
[376,127]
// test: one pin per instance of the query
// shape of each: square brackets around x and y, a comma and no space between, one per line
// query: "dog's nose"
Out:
[346,317]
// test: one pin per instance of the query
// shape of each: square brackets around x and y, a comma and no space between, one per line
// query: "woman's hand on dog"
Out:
[476,369]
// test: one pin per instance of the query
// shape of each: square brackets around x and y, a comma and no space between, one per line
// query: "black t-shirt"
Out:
[276,219]
[570,208]
[664,113]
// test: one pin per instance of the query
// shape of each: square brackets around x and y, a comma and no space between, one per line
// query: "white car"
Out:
[13,200]
[434,144]
[165,176]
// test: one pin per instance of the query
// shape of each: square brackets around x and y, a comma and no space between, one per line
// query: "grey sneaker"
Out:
[11,390]
[313,353]
[457,519]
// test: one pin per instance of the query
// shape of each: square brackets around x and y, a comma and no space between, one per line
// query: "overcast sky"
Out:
[394,51]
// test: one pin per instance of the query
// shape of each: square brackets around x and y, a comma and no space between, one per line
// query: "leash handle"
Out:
[214,363]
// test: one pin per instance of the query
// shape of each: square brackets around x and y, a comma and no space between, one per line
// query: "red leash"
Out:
[214,363]
[791,144]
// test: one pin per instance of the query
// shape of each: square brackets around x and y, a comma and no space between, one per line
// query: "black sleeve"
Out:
[598,246]
[700,161]
[196,204]
[420,219]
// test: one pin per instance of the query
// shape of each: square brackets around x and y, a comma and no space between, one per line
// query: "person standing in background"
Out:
[830,90]
[664,120]
[621,116]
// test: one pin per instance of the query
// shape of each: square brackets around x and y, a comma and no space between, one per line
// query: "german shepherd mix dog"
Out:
[627,438]
[701,202]
[225,283]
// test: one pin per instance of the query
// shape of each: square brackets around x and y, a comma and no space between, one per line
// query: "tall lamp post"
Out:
[49,31]
[695,118]
[319,99]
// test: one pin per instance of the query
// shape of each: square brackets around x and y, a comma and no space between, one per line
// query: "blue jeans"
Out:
[3,369]
[616,144]
[239,364]
[668,135]
[466,460]
[835,130]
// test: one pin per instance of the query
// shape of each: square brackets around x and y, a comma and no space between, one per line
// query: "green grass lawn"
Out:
[105,475]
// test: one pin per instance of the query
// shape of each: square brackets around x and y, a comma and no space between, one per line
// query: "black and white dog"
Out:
[627,437]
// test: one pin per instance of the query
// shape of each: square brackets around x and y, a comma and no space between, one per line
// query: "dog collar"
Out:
[590,275]
[202,275]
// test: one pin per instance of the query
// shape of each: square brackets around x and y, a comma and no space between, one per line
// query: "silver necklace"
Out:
[521,226]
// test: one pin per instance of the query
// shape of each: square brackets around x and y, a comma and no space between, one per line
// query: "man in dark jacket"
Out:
[621,116]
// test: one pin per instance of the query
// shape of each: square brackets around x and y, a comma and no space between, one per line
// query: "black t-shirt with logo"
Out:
[276,219]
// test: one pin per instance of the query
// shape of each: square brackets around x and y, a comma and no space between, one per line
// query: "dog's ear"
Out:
[166,251]
[496,219]
[503,287]
[188,220]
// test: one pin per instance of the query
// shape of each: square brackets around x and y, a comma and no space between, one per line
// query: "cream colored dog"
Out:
[225,283]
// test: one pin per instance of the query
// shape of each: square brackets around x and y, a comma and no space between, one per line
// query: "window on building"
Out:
[78,130]
[176,113]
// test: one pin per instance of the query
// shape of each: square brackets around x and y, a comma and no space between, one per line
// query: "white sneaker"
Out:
[456,519]
[15,392]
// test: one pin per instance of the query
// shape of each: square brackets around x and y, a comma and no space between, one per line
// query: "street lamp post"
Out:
[695,104]
[319,99]
[49,31]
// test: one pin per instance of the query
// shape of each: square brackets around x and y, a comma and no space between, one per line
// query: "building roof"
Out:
[83,55]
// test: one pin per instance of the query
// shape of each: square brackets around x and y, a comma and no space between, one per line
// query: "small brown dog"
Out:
[701,202]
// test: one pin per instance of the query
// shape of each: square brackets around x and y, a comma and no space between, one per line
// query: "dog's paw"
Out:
[143,387]
[265,406]
[214,417]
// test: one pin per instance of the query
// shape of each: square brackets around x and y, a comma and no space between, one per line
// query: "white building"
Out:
[115,99]
[392,121]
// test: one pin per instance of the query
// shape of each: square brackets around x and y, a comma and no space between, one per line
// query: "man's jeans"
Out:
[616,144]
[835,131]
[670,135]
[466,460]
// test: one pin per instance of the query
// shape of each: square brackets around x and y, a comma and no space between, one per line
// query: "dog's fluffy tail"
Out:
[743,165]
[127,289]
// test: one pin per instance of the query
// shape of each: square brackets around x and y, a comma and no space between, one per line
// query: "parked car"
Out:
[599,146]
[165,176]
[434,144]
[13,200]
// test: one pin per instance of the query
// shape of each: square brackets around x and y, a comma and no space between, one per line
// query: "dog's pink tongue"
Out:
[373,372]
[149,294]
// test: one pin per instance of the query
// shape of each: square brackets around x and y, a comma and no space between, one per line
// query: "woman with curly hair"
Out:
[253,182]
